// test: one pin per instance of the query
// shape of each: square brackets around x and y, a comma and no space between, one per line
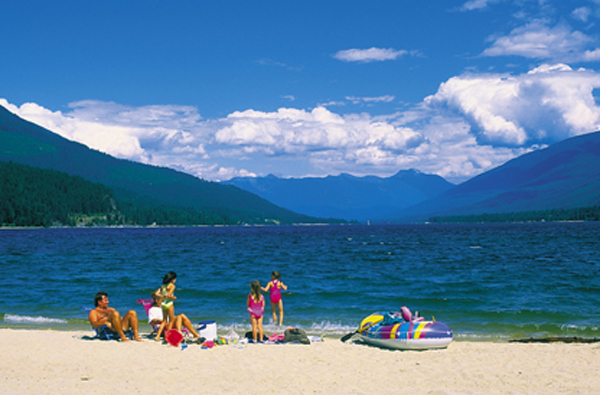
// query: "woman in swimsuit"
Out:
[256,307]
[181,321]
[165,295]
[275,285]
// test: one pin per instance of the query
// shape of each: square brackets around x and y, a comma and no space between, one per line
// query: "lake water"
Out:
[486,281]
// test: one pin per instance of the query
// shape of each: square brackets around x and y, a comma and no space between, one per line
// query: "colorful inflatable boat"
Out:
[402,331]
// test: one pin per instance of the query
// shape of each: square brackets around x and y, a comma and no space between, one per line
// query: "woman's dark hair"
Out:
[169,277]
[276,274]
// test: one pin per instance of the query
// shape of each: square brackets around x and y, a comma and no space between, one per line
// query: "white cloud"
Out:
[581,13]
[473,123]
[538,41]
[369,55]
[591,56]
[379,99]
[111,138]
[477,4]
[548,104]
[292,131]
[332,104]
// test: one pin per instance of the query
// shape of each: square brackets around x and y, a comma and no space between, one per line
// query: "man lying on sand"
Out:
[104,315]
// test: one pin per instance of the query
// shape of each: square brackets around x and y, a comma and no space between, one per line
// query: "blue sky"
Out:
[312,88]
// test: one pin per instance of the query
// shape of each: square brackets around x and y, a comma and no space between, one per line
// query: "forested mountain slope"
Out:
[138,184]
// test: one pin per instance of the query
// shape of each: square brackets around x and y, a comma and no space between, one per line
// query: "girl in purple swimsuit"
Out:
[256,307]
[275,286]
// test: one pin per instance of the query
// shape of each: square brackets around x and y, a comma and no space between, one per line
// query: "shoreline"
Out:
[56,361]
[324,330]
[299,224]
[85,330]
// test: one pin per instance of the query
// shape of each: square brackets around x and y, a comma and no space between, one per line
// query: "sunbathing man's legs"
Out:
[129,321]
[117,325]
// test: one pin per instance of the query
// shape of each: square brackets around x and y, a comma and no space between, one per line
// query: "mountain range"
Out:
[346,196]
[139,184]
[562,176]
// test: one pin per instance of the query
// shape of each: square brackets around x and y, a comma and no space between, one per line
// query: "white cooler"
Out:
[208,329]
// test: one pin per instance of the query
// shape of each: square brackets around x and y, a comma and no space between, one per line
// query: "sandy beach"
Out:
[51,362]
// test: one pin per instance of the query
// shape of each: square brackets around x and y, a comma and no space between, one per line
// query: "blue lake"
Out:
[486,281]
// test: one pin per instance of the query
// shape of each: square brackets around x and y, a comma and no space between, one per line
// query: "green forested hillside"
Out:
[145,192]
[30,196]
[35,197]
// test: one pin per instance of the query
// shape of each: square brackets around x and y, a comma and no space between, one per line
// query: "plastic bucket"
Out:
[208,329]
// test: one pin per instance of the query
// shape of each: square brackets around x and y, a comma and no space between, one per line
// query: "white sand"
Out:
[58,362]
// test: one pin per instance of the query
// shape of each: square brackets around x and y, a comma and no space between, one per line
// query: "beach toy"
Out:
[173,337]
[392,330]
[208,344]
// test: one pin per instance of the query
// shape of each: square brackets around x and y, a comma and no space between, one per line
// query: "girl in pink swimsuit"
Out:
[256,307]
[275,286]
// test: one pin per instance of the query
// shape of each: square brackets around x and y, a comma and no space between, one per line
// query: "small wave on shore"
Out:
[23,319]
[319,329]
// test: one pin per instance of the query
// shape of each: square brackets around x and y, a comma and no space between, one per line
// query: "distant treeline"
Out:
[163,215]
[31,196]
[572,214]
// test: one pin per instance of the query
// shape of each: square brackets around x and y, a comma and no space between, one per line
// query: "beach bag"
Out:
[295,335]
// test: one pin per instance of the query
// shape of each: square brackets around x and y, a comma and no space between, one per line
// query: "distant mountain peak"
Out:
[565,175]
[409,172]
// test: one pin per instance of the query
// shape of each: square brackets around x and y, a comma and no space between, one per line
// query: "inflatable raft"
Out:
[402,331]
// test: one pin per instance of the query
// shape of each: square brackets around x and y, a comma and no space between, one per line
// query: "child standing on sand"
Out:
[275,286]
[164,296]
[256,307]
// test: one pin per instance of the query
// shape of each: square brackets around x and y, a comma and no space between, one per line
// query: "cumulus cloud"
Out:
[138,133]
[177,137]
[537,40]
[117,140]
[293,131]
[369,55]
[547,104]
[473,123]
